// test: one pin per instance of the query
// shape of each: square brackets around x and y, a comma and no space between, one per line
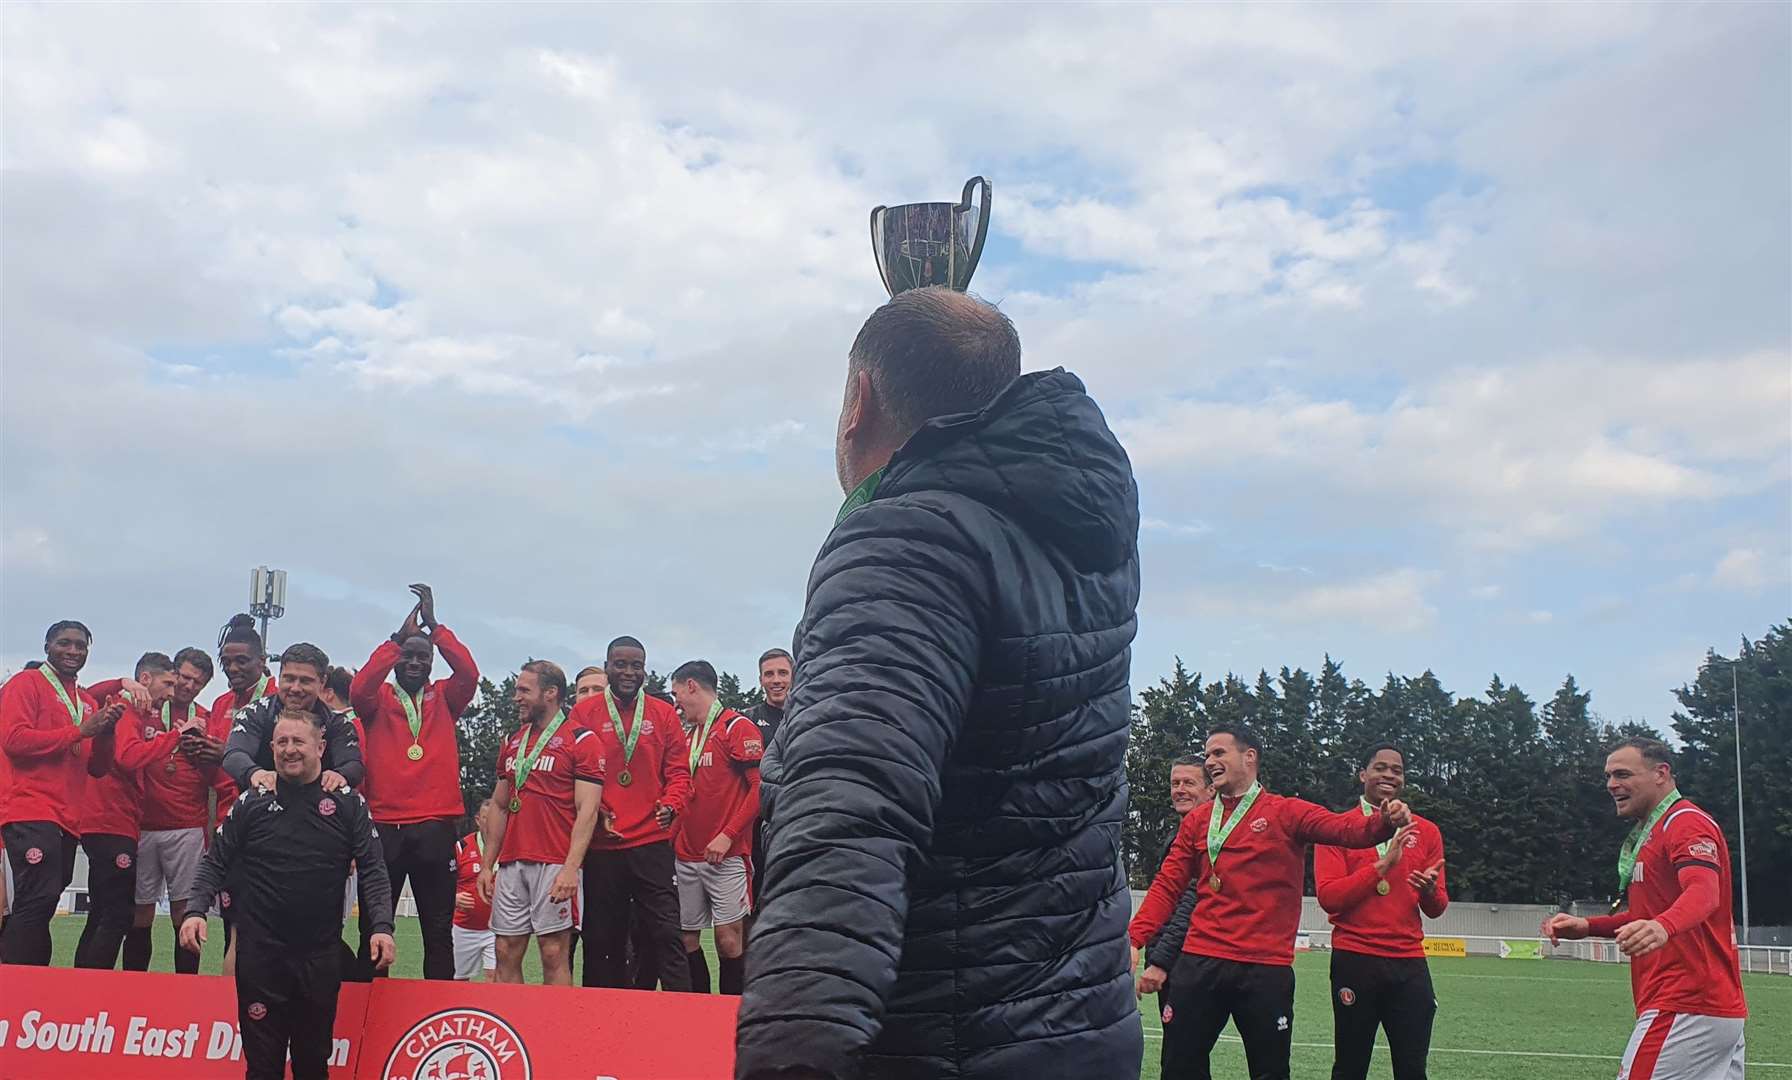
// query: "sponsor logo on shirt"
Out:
[1705,849]
[149,731]
[1259,824]
[459,1042]
[706,760]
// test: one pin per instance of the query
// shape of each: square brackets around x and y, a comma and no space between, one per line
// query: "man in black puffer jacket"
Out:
[944,892]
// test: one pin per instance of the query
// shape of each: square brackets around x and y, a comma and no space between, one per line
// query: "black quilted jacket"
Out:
[943,893]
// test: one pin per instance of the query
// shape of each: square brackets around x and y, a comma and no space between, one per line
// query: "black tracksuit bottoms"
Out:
[286,1001]
[1393,994]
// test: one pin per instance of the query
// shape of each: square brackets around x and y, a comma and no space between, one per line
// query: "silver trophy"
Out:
[933,243]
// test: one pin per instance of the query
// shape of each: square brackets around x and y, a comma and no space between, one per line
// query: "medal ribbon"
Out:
[1369,811]
[1217,833]
[1634,842]
[629,738]
[715,710]
[525,757]
[261,690]
[860,495]
[74,710]
[413,713]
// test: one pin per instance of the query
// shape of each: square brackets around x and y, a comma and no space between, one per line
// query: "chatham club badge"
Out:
[459,1042]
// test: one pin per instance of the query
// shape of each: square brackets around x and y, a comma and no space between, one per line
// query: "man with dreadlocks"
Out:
[46,720]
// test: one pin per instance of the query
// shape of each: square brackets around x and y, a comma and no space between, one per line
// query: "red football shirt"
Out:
[400,790]
[112,803]
[172,798]
[467,864]
[1697,971]
[45,757]
[724,788]
[542,830]
[222,715]
[1366,921]
[659,772]
[1253,916]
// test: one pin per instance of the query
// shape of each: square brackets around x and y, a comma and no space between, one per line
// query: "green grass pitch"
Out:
[1496,1019]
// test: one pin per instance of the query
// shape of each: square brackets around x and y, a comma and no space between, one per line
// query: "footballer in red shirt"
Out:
[629,872]
[475,946]
[46,722]
[1374,897]
[413,765]
[112,812]
[713,838]
[243,659]
[1246,853]
[1676,928]
[545,808]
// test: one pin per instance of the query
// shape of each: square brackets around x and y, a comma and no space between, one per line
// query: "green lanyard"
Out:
[1217,833]
[1369,811]
[715,710]
[261,690]
[1634,842]
[525,758]
[74,709]
[168,716]
[629,738]
[413,714]
[860,495]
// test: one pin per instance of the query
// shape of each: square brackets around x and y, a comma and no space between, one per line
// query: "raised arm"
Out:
[1310,823]
[890,648]
[459,688]
[364,689]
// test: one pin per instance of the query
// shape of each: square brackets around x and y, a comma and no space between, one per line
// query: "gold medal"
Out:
[1382,886]
[624,778]
[415,753]
[516,804]
[1215,882]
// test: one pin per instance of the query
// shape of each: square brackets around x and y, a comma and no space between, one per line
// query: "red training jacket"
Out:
[45,763]
[659,773]
[400,791]
[1253,916]
[172,799]
[724,790]
[1365,921]
[1682,881]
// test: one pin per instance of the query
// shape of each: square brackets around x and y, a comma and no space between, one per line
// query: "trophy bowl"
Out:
[934,243]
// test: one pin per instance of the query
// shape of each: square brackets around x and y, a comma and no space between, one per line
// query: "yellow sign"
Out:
[1446,946]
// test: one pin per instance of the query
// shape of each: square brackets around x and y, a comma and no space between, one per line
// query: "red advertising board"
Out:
[57,1024]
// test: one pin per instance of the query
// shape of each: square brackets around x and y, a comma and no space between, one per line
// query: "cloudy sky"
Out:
[1456,337]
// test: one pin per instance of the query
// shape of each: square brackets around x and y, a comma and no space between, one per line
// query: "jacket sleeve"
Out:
[745,748]
[1434,902]
[1310,823]
[364,690]
[1169,941]
[1177,874]
[457,689]
[248,735]
[214,868]
[131,751]
[675,767]
[890,651]
[342,750]
[371,882]
[1337,889]
[22,738]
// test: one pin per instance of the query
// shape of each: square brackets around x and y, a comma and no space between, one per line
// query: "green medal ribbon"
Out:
[715,710]
[1369,810]
[526,758]
[629,738]
[860,495]
[1217,833]
[1634,842]
[413,711]
[74,709]
[261,691]
[168,716]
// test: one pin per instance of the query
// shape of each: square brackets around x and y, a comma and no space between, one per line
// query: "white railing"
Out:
[1755,959]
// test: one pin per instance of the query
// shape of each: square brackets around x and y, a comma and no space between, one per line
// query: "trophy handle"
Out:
[877,254]
[964,207]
